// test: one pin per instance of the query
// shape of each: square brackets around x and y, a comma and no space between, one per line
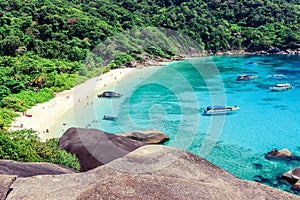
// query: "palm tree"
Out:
[39,79]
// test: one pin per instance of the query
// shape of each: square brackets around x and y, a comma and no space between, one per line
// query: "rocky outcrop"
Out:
[10,170]
[94,147]
[147,136]
[293,177]
[150,172]
[274,50]
[32,169]
[279,51]
[283,154]
[149,60]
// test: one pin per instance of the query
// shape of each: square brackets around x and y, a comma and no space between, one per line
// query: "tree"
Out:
[39,79]
[9,45]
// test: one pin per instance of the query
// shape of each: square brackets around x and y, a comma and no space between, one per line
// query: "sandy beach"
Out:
[41,115]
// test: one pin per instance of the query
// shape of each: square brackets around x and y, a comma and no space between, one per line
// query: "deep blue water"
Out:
[172,100]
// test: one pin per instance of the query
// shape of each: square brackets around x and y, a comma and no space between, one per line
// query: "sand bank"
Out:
[41,115]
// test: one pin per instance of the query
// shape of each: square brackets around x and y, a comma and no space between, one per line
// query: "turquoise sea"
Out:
[172,98]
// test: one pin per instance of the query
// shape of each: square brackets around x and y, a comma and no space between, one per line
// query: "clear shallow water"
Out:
[172,98]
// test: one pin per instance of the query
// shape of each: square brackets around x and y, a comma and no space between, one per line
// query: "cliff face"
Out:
[149,172]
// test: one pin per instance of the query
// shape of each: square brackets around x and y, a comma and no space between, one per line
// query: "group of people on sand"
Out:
[47,131]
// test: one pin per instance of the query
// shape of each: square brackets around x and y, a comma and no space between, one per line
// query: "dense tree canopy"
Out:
[69,29]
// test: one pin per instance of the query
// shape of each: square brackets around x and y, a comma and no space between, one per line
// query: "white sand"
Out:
[47,113]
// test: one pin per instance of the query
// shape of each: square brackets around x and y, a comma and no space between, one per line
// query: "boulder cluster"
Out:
[127,169]
[292,176]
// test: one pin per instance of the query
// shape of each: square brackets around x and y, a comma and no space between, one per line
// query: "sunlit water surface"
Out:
[172,99]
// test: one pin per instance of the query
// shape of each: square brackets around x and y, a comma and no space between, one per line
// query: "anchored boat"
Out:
[217,110]
[246,77]
[111,118]
[110,94]
[277,76]
[281,87]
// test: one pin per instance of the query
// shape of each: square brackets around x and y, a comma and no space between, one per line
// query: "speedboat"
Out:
[217,110]
[245,77]
[281,87]
[109,94]
[111,118]
[277,76]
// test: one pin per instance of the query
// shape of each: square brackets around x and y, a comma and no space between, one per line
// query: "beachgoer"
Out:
[273,151]
[47,130]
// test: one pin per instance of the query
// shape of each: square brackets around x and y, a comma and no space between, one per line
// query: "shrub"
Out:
[26,146]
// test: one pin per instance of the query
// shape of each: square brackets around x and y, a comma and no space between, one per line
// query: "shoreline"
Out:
[41,115]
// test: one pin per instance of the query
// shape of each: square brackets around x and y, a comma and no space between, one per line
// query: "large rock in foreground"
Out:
[147,136]
[94,147]
[150,172]
[10,170]
[5,183]
[28,169]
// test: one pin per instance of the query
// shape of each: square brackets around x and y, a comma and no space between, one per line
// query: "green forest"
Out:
[49,46]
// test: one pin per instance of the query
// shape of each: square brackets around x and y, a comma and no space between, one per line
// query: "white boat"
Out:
[281,87]
[217,110]
[277,76]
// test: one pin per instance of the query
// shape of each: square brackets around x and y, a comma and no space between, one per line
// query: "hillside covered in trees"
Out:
[43,43]
[65,29]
